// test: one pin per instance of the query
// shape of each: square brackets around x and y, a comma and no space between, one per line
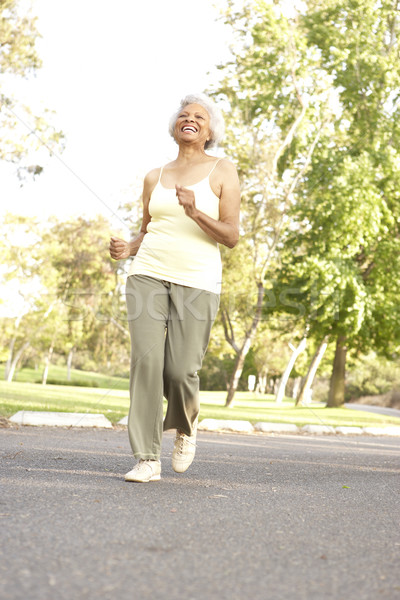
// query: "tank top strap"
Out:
[214,165]
[159,177]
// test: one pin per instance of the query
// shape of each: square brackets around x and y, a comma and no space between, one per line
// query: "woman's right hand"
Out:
[119,249]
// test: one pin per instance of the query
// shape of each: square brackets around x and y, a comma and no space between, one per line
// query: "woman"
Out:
[189,206]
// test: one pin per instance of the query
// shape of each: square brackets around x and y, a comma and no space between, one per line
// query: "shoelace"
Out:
[147,462]
[183,439]
[140,463]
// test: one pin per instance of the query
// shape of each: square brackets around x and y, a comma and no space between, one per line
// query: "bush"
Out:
[320,389]
[77,382]
[372,377]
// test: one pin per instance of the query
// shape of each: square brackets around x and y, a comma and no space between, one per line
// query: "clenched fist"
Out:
[119,249]
[186,199]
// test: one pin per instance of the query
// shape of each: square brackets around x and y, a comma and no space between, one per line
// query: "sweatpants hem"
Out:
[183,429]
[141,456]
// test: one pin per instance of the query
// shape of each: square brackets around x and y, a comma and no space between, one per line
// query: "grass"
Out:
[88,378]
[250,408]
[114,404]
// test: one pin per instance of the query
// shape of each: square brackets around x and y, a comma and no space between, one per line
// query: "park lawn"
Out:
[114,404]
[86,378]
[15,396]
[254,409]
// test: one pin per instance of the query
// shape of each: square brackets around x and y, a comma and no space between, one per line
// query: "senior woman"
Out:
[189,207]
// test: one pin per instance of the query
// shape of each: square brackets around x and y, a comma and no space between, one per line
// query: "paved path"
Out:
[256,516]
[380,410]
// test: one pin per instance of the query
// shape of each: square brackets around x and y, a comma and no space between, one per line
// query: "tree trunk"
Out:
[312,369]
[10,358]
[261,387]
[246,345]
[15,361]
[69,363]
[11,350]
[47,363]
[336,389]
[296,387]
[284,379]
[237,371]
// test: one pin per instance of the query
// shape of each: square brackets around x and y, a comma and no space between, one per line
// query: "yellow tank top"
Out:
[175,248]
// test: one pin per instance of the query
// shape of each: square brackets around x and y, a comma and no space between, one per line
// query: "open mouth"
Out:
[189,128]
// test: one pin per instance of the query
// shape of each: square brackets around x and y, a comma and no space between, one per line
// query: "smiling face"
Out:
[193,125]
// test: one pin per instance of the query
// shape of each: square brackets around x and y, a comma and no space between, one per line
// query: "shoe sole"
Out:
[183,468]
[178,470]
[154,478]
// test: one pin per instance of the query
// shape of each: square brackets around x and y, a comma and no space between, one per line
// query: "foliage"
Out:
[276,102]
[344,238]
[373,376]
[23,132]
[76,382]
[68,282]
[312,106]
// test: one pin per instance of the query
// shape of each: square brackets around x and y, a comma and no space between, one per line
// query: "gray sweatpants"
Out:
[170,328]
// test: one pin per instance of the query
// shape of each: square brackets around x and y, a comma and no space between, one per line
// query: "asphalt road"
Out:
[256,516]
[380,410]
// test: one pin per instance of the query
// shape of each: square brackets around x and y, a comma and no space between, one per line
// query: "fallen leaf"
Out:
[12,455]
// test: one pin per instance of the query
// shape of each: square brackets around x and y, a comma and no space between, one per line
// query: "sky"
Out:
[113,73]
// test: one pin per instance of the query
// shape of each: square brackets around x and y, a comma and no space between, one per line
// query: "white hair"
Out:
[217,125]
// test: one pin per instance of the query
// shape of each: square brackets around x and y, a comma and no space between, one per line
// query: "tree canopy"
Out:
[22,131]
[311,99]
[313,124]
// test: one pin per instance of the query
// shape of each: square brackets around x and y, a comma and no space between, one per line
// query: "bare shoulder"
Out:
[226,167]
[227,171]
[151,177]
[150,181]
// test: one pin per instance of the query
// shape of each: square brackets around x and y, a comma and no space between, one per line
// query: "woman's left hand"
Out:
[186,199]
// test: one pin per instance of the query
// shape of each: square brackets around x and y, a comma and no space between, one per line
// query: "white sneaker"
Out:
[144,471]
[184,450]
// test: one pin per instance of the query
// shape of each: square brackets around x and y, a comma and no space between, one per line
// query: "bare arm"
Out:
[225,230]
[120,249]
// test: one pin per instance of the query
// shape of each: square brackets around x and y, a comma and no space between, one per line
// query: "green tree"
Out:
[66,284]
[344,242]
[276,100]
[362,37]
[22,132]
[19,243]
[77,272]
